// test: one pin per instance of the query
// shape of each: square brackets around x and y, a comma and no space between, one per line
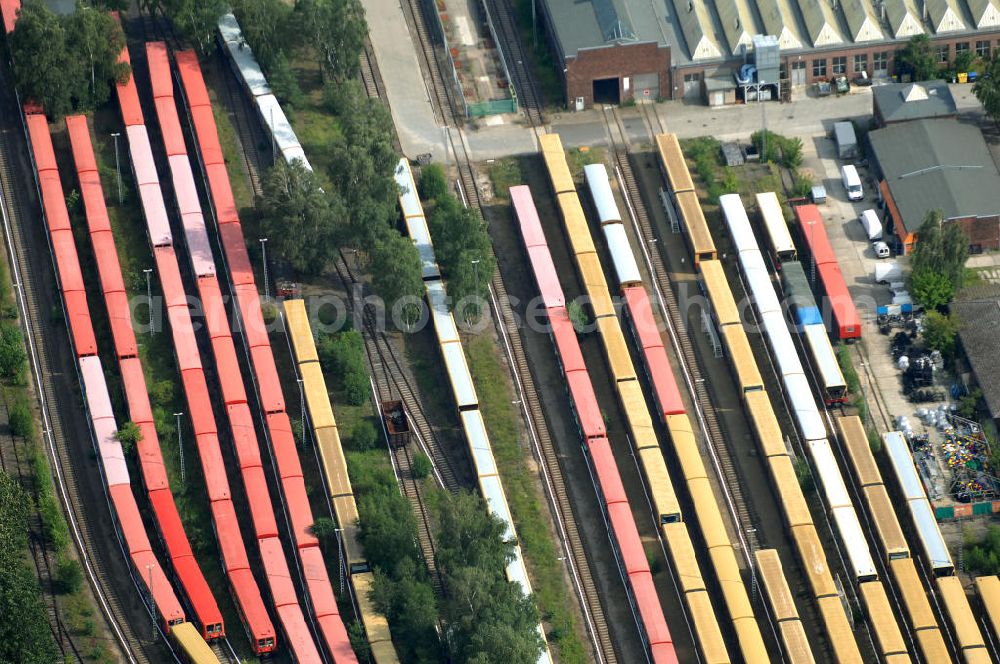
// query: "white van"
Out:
[873,227]
[881,249]
[852,182]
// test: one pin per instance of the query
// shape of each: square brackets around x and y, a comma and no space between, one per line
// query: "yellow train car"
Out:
[886,522]
[376,626]
[741,359]
[555,163]
[958,612]
[682,557]
[673,164]
[932,645]
[852,434]
[988,589]
[575,224]
[297,324]
[190,646]
[786,482]
[772,577]
[713,529]
[713,279]
[595,287]
[842,642]
[616,351]
[661,488]
[751,641]
[914,597]
[765,425]
[797,648]
[706,628]
[686,447]
[734,594]
[814,561]
[702,245]
[882,618]
[317,396]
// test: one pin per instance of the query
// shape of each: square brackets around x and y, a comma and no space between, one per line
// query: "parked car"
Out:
[873,227]
[852,182]
[881,250]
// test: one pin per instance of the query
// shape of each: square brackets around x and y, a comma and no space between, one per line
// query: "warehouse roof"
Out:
[945,15]
[936,165]
[821,23]
[862,20]
[779,20]
[737,22]
[913,101]
[582,24]
[978,312]
[985,13]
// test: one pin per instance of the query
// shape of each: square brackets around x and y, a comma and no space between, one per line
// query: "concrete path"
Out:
[409,100]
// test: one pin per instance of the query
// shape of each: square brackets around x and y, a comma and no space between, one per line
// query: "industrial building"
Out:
[902,102]
[942,164]
[614,50]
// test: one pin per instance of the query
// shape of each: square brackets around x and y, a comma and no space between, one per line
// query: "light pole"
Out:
[475,270]
[152,602]
[263,255]
[180,448]
[149,298]
[118,169]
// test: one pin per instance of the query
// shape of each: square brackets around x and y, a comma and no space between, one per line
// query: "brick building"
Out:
[615,50]
[943,165]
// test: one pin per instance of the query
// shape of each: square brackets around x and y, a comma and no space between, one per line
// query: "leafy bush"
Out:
[13,359]
[364,435]
[343,355]
[129,436]
[433,184]
[940,332]
[69,576]
[421,467]
[54,529]
[802,184]
[22,422]
[983,556]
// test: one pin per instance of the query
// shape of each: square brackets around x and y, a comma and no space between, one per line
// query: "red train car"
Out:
[655,632]
[654,355]
[9,9]
[843,314]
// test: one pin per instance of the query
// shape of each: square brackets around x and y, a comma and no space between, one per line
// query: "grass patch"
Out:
[577,158]
[496,403]
[504,174]
[231,153]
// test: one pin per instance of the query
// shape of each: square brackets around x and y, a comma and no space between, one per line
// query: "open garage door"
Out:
[607,91]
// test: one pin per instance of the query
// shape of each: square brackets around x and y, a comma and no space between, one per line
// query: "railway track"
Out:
[738,505]
[388,381]
[504,21]
[18,222]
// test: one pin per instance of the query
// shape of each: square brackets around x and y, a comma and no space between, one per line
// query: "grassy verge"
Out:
[504,174]
[227,138]
[496,401]
[577,158]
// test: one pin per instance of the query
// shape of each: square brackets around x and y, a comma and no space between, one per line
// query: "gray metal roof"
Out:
[583,24]
[937,165]
[780,21]
[862,20]
[904,18]
[737,23]
[913,101]
[978,312]
[695,21]
[946,15]
[821,21]
[985,13]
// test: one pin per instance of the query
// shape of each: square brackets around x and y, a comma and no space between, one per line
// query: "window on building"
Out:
[861,62]
[961,47]
[840,64]
[880,61]
[819,68]
[943,52]
[983,48]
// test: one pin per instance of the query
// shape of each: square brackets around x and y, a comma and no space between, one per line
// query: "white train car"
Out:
[255,85]
[738,223]
[804,409]
[937,556]
[781,245]
[463,389]
[826,364]
[622,256]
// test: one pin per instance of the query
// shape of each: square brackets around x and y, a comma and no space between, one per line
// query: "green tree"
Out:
[421,467]
[129,436]
[267,28]
[95,40]
[940,332]
[196,20]
[325,530]
[968,404]
[396,273]
[13,358]
[464,252]
[917,59]
[987,86]
[336,31]
[300,217]
[577,316]
[388,529]
[343,355]
[940,250]
[283,80]
[43,70]
[69,576]
[433,183]
[21,421]
[408,600]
